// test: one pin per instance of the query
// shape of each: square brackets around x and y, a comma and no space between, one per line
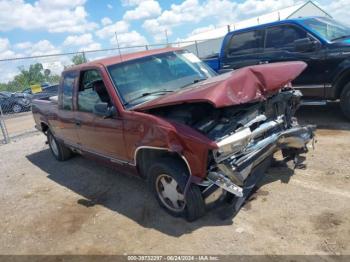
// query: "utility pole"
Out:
[84,57]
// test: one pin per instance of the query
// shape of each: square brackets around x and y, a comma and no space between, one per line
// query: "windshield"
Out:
[149,77]
[328,28]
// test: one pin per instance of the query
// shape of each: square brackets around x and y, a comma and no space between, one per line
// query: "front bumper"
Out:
[238,175]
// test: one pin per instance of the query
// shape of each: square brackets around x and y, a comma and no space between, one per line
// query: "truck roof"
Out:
[286,21]
[122,58]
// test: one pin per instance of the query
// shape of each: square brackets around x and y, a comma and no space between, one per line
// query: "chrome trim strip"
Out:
[134,163]
[309,87]
[313,103]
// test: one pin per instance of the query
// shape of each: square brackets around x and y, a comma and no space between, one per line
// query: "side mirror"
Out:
[102,109]
[304,45]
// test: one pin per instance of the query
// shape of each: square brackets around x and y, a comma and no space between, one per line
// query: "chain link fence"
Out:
[19,75]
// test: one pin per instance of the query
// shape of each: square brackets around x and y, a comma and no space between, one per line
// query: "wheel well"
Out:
[44,127]
[145,157]
[341,83]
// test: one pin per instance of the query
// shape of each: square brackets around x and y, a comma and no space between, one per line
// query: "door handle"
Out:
[78,123]
[263,62]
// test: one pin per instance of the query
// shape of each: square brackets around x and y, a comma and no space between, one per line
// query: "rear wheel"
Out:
[345,101]
[16,108]
[58,149]
[167,180]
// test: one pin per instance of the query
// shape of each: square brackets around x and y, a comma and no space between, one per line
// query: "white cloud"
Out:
[146,9]
[60,3]
[4,44]
[132,38]
[85,42]
[202,29]
[187,11]
[91,47]
[220,11]
[109,6]
[110,30]
[5,49]
[106,21]
[23,45]
[78,40]
[53,16]
[131,2]
[250,8]
[157,30]
[43,47]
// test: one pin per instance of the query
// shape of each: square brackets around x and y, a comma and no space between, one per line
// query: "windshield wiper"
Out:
[195,81]
[148,94]
[341,37]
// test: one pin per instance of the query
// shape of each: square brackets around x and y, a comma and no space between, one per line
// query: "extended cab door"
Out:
[280,47]
[97,134]
[63,124]
[243,49]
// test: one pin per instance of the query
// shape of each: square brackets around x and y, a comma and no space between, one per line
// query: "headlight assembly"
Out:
[232,144]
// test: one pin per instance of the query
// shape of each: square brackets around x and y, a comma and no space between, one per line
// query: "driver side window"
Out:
[91,91]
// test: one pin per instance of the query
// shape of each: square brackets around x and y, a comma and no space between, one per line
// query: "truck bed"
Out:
[43,110]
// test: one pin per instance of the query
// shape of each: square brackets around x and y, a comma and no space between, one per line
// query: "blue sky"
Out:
[39,27]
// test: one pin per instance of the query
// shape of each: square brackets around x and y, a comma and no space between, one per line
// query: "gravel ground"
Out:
[82,207]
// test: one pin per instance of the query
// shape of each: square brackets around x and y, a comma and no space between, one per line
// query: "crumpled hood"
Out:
[248,84]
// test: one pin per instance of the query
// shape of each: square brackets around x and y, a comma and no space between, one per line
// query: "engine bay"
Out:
[218,123]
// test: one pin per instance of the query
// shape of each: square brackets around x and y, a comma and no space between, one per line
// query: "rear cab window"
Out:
[245,43]
[68,82]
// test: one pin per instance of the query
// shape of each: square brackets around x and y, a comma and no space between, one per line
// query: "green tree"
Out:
[35,74]
[79,59]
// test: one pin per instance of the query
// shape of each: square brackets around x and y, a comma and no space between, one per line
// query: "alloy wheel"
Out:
[170,193]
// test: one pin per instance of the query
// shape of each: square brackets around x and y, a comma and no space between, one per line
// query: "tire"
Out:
[345,101]
[16,108]
[58,149]
[162,175]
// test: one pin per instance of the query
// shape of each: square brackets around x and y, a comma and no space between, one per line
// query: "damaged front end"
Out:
[247,136]
[244,155]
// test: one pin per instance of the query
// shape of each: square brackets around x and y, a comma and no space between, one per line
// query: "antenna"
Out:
[120,54]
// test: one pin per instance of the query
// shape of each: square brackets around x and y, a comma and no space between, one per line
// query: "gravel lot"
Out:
[82,207]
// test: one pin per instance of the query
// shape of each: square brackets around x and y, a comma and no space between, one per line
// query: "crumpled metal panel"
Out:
[248,84]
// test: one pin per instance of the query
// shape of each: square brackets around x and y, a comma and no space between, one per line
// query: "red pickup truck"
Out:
[197,137]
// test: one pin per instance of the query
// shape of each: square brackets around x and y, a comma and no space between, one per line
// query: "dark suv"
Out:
[322,43]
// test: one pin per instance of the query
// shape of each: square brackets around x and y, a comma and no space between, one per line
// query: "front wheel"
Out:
[167,179]
[58,149]
[345,101]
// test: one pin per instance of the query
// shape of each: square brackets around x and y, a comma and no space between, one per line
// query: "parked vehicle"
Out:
[322,43]
[13,102]
[163,114]
[47,91]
